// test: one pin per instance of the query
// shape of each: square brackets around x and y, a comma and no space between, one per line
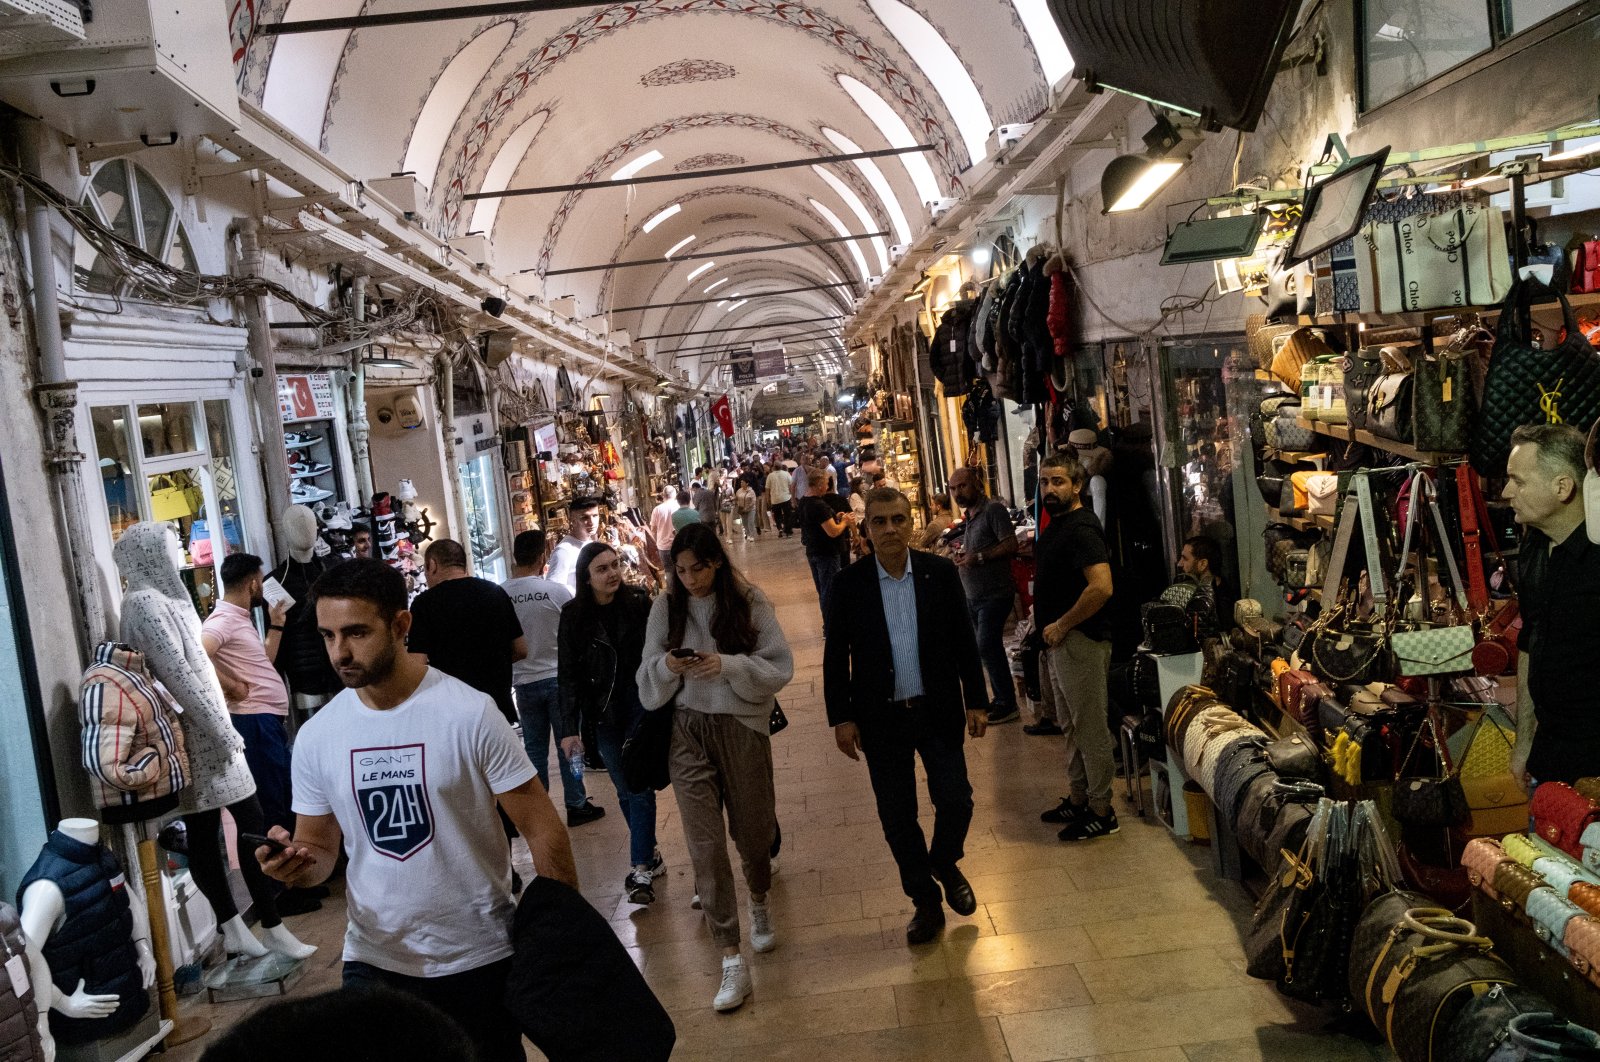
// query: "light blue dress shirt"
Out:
[900,613]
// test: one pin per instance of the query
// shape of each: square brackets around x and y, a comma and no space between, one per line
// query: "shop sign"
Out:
[743,365]
[790,422]
[305,396]
[544,439]
[769,360]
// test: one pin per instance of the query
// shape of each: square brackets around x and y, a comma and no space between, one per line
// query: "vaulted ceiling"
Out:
[653,87]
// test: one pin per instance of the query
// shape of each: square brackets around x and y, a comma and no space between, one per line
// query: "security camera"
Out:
[938,208]
[898,251]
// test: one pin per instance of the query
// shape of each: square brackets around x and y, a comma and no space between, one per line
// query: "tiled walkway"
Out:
[1123,948]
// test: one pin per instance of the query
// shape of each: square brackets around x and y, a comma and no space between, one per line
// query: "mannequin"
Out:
[104,924]
[159,621]
[302,660]
[1096,460]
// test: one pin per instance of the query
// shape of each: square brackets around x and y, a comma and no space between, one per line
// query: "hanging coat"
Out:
[1060,335]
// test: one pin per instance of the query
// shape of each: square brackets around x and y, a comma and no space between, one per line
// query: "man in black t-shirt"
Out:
[825,521]
[1071,588]
[467,627]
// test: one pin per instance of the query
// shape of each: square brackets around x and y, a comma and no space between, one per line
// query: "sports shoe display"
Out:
[1090,826]
[640,890]
[307,469]
[735,987]
[762,937]
[294,440]
[303,493]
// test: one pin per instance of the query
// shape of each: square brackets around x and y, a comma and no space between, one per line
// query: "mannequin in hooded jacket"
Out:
[44,910]
[160,621]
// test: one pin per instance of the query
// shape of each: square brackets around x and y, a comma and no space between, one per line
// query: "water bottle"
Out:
[575,762]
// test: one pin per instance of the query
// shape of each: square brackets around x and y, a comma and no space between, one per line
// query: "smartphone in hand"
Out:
[256,840]
[685,654]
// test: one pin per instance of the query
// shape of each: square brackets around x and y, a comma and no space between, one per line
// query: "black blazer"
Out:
[858,661]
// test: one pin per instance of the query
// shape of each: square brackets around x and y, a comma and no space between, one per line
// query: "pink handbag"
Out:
[1482,856]
[1582,938]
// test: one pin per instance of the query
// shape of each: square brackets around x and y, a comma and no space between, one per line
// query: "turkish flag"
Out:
[723,411]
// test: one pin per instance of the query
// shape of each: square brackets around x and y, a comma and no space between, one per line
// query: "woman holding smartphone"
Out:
[599,644]
[714,645]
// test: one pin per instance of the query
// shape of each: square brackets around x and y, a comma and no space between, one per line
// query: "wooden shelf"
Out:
[1347,434]
[1420,318]
[1301,523]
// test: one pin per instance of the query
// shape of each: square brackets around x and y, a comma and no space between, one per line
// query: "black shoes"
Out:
[1043,728]
[291,902]
[1090,826]
[957,890]
[1003,713]
[924,925]
[1064,812]
[588,812]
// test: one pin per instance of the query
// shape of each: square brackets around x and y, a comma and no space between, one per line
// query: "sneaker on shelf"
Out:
[640,891]
[338,518]
[1003,713]
[657,866]
[303,493]
[1065,812]
[307,469]
[1043,728]
[1090,826]
[735,987]
[294,440]
[762,937]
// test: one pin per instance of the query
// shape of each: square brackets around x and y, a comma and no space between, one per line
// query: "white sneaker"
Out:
[762,938]
[735,984]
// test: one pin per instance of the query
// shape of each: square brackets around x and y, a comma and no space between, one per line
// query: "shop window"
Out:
[129,202]
[1405,43]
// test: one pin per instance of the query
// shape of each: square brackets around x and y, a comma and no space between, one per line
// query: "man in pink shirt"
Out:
[661,529]
[258,702]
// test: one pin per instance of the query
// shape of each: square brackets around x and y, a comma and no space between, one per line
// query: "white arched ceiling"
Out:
[939,62]
[303,67]
[875,178]
[449,98]
[844,230]
[859,209]
[503,169]
[893,129]
[1046,39]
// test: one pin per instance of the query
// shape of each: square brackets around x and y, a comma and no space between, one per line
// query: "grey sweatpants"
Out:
[1078,669]
[719,764]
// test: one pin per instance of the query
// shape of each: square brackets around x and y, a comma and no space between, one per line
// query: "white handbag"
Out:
[1322,494]
[1431,262]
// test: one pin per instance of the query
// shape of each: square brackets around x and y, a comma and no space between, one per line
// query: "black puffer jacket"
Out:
[302,659]
[952,352]
[593,671]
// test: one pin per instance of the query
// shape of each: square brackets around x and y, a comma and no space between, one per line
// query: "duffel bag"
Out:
[1274,814]
[1374,935]
[1482,1025]
[1213,728]
[1546,1037]
[1295,756]
[1240,765]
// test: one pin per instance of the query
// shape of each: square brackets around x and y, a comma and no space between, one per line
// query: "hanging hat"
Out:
[1083,437]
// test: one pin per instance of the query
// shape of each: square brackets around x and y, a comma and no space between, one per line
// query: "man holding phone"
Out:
[409,764]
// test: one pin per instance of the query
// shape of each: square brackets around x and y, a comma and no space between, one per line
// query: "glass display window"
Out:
[480,500]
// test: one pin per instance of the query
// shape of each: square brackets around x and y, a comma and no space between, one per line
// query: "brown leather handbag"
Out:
[1586,896]
[1514,882]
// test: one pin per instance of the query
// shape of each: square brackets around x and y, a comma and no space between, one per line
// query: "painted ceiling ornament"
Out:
[872,64]
[717,219]
[709,161]
[687,72]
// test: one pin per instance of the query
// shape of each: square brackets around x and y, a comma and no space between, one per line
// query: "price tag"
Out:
[17,970]
[1447,382]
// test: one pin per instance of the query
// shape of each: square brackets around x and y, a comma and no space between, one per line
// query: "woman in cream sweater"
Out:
[714,646]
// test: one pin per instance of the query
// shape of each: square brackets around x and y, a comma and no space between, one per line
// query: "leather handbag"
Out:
[1562,872]
[1497,801]
[1293,687]
[1527,385]
[1434,261]
[1561,814]
[1279,915]
[1352,655]
[1442,402]
[645,750]
[1496,651]
[1374,936]
[1519,849]
[777,721]
[1294,757]
[1211,730]
[1322,493]
[1514,882]
[1586,896]
[1186,703]
[1583,946]
[1591,845]
[1545,1037]
[1274,814]
[1389,407]
[1482,858]
[1290,433]
[1429,799]
[1483,1025]
[1362,367]
[1550,912]
[1589,787]
[1241,765]
[1301,346]
[1433,650]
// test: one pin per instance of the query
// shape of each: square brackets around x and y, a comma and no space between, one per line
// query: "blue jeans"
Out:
[537,704]
[989,616]
[824,566]
[266,751]
[638,808]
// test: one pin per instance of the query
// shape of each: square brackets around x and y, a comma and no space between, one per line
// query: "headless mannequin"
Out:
[44,910]
[159,620]
[302,660]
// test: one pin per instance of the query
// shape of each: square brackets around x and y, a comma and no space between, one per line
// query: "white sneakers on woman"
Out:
[735,987]
[762,938]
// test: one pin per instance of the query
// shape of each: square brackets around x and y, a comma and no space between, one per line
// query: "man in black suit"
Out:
[902,678]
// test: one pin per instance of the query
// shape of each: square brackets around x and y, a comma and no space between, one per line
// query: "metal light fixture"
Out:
[1131,181]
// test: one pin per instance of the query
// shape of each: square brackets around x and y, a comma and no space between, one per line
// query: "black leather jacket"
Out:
[592,670]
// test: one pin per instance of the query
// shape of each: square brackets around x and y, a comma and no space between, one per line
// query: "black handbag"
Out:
[1295,757]
[1167,629]
[1361,370]
[1441,402]
[1527,385]
[1484,1023]
[1389,406]
[1280,914]
[777,720]
[646,750]
[1433,799]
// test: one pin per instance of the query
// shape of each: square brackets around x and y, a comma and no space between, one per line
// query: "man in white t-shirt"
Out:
[780,491]
[661,529]
[538,603]
[584,516]
[404,768]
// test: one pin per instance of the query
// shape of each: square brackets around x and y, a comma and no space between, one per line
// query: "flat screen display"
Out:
[1335,206]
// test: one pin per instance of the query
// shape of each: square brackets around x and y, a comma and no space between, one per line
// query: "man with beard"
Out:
[408,764]
[1071,588]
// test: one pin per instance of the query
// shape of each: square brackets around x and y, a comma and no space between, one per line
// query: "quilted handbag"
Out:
[1527,385]
[1211,729]
[1433,650]
[1322,493]
[1441,402]
[1562,873]
[1216,751]
[1482,858]
[1514,882]
[1182,707]
[1591,842]
[1483,1025]
[1292,686]
[1586,896]
[1561,814]
[1389,407]
[1583,946]
[1545,1037]
[1550,912]
[1589,787]
[1519,849]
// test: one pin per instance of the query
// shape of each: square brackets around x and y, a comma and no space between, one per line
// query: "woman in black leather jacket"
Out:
[600,642]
